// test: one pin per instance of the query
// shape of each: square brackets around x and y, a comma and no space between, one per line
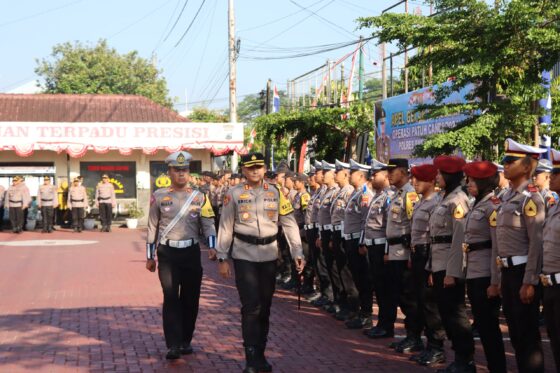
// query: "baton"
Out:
[300,280]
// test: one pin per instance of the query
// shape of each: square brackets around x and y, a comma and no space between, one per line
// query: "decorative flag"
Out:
[302,156]
[546,119]
[252,135]
[275,101]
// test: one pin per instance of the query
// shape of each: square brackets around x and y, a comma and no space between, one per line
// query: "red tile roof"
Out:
[83,108]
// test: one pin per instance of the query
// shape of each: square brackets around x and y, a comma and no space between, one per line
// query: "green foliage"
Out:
[502,50]
[201,114]
[78,68]
[134,212]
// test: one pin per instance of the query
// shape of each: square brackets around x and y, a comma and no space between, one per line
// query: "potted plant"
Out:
[32,214]
[89,220]
[134,213]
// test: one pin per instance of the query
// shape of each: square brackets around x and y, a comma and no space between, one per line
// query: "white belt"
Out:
[515,261]
[549,280]
[375,241]
[351,236]
[182,244]
[337,227]
[328,227]
[309,226]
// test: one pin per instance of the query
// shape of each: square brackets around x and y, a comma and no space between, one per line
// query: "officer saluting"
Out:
[177,215]
[249,219]
[519,235]
[105,200]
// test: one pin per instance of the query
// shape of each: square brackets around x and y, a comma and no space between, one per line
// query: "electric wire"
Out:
[192,22]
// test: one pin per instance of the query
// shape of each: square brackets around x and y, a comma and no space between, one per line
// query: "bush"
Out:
[134,212]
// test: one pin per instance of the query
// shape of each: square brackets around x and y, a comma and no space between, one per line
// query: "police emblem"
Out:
[181,159]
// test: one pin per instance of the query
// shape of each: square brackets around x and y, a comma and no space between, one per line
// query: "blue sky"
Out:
[198,64]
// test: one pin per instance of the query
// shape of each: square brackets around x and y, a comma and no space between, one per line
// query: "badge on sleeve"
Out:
[304,200]
[530,209]
[411,200]
[459,212]
[492,219]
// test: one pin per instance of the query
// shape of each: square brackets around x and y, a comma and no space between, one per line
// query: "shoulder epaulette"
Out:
[532,188]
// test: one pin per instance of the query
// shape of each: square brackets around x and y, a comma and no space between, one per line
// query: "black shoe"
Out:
[262,364]
[251,365]
[102,229]
[320,302]
[419,357]
[344,315]
[433,356]
[307,290]
[75,229]
[79,230]
[185,349]
[359,322]
[409,344]
[292,284]
[378,333]
[459,367]
[173,353]
[44,231]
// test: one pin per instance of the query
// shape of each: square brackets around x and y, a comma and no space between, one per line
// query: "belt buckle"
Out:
[499,262]
[465,247]
[545,280]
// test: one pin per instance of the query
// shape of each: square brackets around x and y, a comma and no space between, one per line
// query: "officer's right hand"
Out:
[493,291]
[318,242]
[223,268]
[362,250]
[151,265]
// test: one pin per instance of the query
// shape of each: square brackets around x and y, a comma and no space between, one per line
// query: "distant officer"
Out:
[542,181]
[77,202]
[503,183]
[16,201]
[447,229]
[177,216]
[353,233]
[47,201]
[249,221]
[550,276]
[27,194]
[311,236]
[423,180]
[479,264]
[106,201]
[519,233]
[300,204]
[2,197]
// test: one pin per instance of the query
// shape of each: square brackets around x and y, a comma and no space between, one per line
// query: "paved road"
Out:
[84,302]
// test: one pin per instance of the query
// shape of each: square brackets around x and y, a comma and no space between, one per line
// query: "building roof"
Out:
[69,108]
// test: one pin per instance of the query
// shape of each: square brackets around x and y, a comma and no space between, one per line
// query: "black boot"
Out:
[262,364]
[251,365]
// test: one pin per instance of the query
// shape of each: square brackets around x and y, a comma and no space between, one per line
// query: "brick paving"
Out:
[92,307]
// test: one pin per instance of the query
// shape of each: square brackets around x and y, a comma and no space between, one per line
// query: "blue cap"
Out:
[179,159]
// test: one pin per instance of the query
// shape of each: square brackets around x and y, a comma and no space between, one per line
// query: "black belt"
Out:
[16,201]
[46,200]
[103,199]
[478,246]
[442,239]
[422,249]
[76,200]
[255,240]
[404,240]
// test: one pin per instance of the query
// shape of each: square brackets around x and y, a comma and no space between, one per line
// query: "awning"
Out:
[76,139]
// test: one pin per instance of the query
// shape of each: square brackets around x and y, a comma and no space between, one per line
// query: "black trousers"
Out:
[378,277]
[311,262]
[451,305]
[346,281]
[523,321]
[359,267]
[16,217]
[319,264]
[400,290]
[486,314]
[180,275]
[428,311]
[552,320]
[328,255]
[78,217]
[1,216]
[255,284]
[48,217]
[105,214]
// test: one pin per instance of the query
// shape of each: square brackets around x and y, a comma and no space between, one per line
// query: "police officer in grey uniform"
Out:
[47,201]
[106,201]
[519,232]
[17,200]
[503,183]
[353,233]
[77,202]
[478,261]
[542,181]
[550,276]
[177,216]
[249,221]
[310,238]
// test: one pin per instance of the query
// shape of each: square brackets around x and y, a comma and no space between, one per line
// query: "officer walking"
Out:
[177,216]
[249,221]
[47,201]
[17,200]
[519,233]
[106,201]
[77,202]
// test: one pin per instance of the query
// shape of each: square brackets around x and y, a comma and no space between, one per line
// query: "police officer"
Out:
[249,220]
[47,201]
[17,200]
[550,276]
[300,203]
[77,202]
[177,216]
[481,269]
[423,180]
[353,233]
[447,226]
[106,201]
[542,181]
[519,236]
[503,183]
[311,236]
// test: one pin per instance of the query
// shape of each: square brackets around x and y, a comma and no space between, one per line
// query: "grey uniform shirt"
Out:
[105,193]
[309,211]
[420,225]
[551,241]
[376,218]
[300,202]
[480,226]
[316,203]
[448,219]
[324,214]
[339,204]
[519,228]
[398,220]
[166,203]
[47,196]
[357,209]
[16,196]
[256,212]
[77,197]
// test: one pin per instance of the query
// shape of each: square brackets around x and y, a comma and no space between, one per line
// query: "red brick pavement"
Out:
[93,307]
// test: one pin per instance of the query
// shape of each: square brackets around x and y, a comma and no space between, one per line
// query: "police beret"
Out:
[544,165]
[424,172]
[396,162]
[555,155]
[515,150]
[180,159]
[252,159]
[450,164]
[480,169]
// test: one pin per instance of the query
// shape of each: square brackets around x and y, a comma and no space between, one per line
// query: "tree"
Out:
[501,49]
[77,68]
[202,114]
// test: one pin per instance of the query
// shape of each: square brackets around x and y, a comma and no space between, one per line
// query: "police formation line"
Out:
[417,238]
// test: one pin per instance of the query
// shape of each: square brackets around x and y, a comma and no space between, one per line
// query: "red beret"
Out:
[480,169]
[450,164]
[424,172]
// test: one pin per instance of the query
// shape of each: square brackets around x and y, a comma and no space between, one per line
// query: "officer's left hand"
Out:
[300,264]
[527,293]
[448,281]
[318,242]
[362,250]
[212,254]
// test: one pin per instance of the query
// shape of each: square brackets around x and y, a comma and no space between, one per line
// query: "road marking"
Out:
[47,243]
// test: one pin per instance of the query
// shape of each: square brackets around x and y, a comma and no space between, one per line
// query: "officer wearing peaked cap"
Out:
[339,165]
[519,232]
[17,200]
[77,202]
[318,165]
[542,181]
[177,216]
[47,202]
[503,183]
[550,276]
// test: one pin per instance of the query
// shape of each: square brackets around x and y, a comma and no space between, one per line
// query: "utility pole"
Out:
[232,74]
[405,55]
[383,72]
[267,150]
[361,72]
[329,86]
